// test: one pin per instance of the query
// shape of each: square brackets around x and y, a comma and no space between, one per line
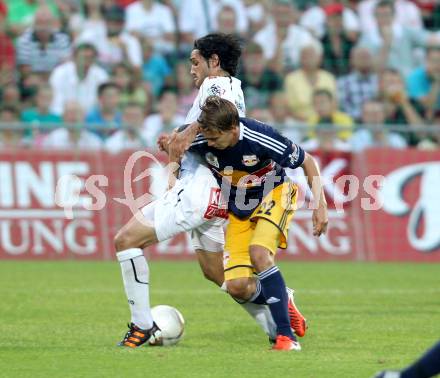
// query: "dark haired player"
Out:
[248,159]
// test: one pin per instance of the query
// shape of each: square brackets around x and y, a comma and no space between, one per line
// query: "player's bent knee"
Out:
[261,258]
[238,288]
[135,235]
[126,239]
[122,241]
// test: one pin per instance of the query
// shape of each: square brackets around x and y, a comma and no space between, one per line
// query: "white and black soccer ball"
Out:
[171,323]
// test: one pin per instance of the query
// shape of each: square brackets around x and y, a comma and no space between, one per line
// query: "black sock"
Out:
[258,297]
[274,290]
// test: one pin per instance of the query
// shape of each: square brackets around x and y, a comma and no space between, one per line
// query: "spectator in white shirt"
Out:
[407,15]
[256,11]
[199,17]
[152,20]
[227,20]
[392,44]
[77,80]
[314,19]
[116,45]
[375,135]
[74,136]
[165,121]
[282,38]
[130,137]
[91,20]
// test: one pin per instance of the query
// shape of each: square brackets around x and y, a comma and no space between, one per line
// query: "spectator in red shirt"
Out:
[7,51]
[124,3]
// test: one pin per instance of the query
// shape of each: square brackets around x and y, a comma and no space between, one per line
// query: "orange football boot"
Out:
[297,320]
[136,337]
[286,343]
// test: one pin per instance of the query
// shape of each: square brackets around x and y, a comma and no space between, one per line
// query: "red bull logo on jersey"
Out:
[250,160]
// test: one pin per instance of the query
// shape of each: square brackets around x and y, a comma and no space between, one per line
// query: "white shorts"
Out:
[193,204]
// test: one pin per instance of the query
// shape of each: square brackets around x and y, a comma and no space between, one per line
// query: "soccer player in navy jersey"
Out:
[248,159]
[425,367]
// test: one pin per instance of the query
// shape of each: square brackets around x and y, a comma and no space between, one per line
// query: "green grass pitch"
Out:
[63,319]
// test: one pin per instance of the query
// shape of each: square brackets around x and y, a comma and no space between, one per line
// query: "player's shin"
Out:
[258,311]
[274,290]
[263,317]
[135,274]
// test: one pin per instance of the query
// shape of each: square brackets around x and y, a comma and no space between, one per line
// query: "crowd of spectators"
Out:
[116,72]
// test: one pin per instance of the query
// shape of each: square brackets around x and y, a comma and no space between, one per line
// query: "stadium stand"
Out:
[141,46]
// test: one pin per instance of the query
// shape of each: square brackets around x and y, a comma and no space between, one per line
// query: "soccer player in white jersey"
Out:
[191,205]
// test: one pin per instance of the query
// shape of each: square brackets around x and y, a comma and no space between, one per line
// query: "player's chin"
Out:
[197,82]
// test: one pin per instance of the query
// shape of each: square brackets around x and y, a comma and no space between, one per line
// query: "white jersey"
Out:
[193,204]
[225,87]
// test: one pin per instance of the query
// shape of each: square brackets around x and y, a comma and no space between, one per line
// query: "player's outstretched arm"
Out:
[174,163]
[320,216]
[179,142]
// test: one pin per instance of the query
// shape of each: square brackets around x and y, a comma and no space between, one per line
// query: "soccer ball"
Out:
[171,323]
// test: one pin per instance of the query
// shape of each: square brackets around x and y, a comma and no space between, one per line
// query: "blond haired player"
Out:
[248,159]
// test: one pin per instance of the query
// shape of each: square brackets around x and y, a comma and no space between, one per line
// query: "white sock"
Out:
[260,313]
[263,317]
[136,275]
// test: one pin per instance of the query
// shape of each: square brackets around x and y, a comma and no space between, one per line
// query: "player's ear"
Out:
[215,61]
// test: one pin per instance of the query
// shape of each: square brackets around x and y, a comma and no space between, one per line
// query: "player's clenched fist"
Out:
[163,142]
[320,220]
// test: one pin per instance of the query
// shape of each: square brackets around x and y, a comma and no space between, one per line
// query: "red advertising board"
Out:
[126,194]
[339,242]
[32,226]
[44,216]
[407,226]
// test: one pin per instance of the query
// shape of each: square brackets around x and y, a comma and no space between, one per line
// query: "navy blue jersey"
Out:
[251,168]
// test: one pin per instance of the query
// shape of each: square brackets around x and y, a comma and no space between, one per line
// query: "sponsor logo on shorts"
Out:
[217,208]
